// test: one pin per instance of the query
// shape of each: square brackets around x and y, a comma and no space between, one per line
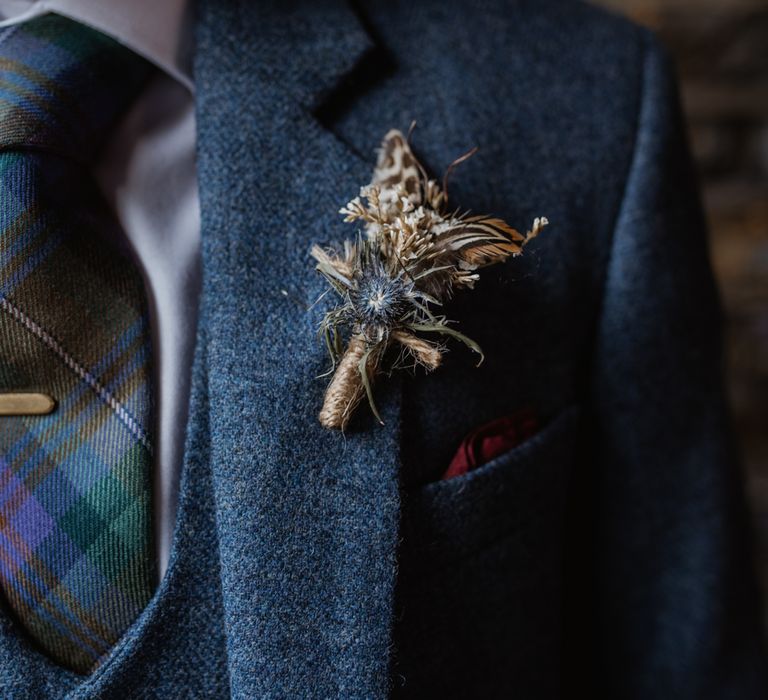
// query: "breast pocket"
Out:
[479,577]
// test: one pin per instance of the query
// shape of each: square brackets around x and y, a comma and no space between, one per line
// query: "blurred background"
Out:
[721,48]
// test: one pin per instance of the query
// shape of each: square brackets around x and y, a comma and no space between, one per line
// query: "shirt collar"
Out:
[161,31]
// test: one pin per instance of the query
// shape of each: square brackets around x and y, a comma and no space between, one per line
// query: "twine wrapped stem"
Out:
[347,386]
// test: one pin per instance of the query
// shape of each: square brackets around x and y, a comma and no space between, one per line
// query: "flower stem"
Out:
[347,386]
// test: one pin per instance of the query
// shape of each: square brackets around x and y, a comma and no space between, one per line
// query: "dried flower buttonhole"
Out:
[414,252]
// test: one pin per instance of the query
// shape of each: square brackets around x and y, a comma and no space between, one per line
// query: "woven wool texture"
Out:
[75,566]
[607,555]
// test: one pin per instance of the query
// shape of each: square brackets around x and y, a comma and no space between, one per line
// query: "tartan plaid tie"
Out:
[76,564]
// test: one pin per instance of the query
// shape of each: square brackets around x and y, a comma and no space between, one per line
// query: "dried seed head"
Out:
[378,301]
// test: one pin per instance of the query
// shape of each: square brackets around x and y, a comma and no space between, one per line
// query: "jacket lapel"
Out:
[307,519]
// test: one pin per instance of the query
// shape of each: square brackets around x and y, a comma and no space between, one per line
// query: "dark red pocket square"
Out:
[490,440]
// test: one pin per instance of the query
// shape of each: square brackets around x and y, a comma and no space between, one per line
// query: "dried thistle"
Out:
[414,253]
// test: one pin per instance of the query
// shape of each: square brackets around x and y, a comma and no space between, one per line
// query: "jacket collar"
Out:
[307,519]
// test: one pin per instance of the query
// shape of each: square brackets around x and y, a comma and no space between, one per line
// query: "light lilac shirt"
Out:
[147,172]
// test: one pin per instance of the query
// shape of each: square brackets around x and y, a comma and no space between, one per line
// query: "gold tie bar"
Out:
[26,404]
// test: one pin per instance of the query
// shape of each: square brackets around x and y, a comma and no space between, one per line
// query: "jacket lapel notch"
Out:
[303,49]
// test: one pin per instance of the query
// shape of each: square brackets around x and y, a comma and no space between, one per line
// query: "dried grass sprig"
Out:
[411,256]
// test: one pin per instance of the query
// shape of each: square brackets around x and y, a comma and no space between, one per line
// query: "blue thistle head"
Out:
[378,300]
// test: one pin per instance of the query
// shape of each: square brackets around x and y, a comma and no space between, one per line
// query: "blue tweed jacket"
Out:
[610,553]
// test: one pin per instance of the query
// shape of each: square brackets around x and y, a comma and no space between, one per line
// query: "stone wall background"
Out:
[721,49]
